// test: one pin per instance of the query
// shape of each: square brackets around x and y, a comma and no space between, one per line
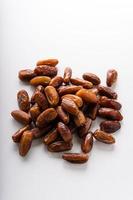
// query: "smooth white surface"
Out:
[88,36]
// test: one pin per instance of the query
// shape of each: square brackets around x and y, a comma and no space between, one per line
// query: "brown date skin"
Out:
[77,158]
[87,95]
[40,80]
[84,83]
[110,126]
[52,95]
[109,103]
[26,74]
[110,113]
[51,62]
[90,110]
[87,143]
[40,132]
[46,117]
[67,74]
[39,88]
[64,131]
[92,78]
[23,100]
[25,143]
[69,106]
[46,70]
[17,136]
[79,119]
[64,116]
[111,77]
[34,112]
[50,137]
[72,89]
[83,131]
[21,116]
[76,99]
[56,81]
[108,92]
[41,100]
[59,146]
[104,137]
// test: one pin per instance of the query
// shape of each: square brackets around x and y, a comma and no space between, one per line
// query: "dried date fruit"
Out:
[52,95]
[72,89]
[87,95]
[75,157]
[23,100]
[104,137]
[64,131]
[51,62]
[50,137]
[110,126]
[67,74]
[79,119]
[40,80]
[83,131]
[17,136]
[64,116]
[69,106]
[46,117]
[111,77]
[40,132]
[25,143]
[21,116]
[46,70]
[41,100]
[76,99]
[26,74]
[59,146]
[109,103]
[105,91]
[34,112]
[90,110]
[110,113]
[84,83]
[87,143]
[39,88]
[56,81]
[92,78]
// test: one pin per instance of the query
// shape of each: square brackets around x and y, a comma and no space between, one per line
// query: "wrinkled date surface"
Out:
[63,106]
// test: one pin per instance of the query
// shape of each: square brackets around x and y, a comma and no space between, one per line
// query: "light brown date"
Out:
[87,95]
[84,83]
[21,116]
[23,100]
[78,158]
[109,103]
[52,95]
[50,137]
[35,112]
[26,74]
[83,131]
[79,119]
[92,78]
[69,106]
[76,99]
[56,81]
[40,80]
[25,143]
[104,137]
[46,117]
[41,100]
[51,62]
[108,92]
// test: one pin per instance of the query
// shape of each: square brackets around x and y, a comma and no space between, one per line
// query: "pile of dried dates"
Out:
[63,106]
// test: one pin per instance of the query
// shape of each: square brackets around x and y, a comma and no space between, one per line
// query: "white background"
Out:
[89,36]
